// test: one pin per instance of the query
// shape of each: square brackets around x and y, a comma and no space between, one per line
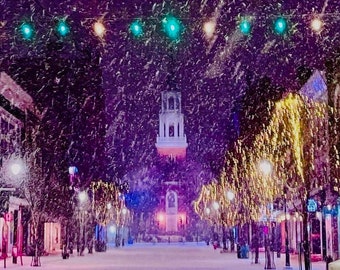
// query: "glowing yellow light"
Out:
[316,25]
[209,29]
[82,196]
[99,29]
[230,195]
[265,167]
[287,142]
[160,217]
[216,206]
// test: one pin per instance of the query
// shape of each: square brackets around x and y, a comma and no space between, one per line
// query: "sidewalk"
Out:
[294,263]
[186,256]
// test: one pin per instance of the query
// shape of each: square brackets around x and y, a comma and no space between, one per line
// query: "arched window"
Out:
[171,103]
[171,130]
[171,200]
[164,104]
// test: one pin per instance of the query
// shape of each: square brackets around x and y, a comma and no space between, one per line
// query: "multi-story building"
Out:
[18,120]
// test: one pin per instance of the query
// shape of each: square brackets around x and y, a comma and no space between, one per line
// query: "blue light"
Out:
[172,27]
[136,28]
[280,26]
[63,28]
[27,31]
[245,26]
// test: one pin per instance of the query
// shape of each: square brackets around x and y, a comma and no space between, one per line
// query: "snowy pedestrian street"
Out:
[150,256]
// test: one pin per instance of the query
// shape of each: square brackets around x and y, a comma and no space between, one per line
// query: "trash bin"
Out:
[328,260]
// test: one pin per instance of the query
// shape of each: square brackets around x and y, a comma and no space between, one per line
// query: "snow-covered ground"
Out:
[149,256]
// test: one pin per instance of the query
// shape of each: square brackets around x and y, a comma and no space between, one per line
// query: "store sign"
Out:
[312,205]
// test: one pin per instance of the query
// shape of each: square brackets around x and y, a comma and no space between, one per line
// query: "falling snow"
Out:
[99,97]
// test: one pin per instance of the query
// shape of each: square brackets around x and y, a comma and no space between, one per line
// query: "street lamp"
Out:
[72,170]
[266,169]
[109,210]
[216,207]
[82,197]
[287,264]
[14,172]
[230,196]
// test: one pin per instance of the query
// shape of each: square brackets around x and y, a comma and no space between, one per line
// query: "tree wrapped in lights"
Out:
[292,143]
[242,176]
[106,205]
[295,145]
[297,131]
[333,81]
[105,198]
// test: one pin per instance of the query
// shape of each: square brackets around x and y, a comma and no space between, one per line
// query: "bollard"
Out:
[14,254]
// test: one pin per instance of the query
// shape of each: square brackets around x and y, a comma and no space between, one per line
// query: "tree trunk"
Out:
[306,244]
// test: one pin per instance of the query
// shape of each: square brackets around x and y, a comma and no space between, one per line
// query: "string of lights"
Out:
[174,27]
[280,144]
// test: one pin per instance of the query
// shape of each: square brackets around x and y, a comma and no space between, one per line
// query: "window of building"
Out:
[171,103]
[177,103]
[171,130]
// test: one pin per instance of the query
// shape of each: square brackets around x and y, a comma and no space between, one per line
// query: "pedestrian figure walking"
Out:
[255,249]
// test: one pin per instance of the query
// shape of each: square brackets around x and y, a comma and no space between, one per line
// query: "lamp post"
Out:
[229,195]
[16,170]
[82,196]
[72,170]
[109,212]
[207,213]
[266,168]
[216,208]
[124,212]
[287,264]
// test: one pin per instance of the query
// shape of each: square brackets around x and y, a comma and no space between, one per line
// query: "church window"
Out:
[171,130]
[171,103]
[164,105]
[177,103]
[171,200]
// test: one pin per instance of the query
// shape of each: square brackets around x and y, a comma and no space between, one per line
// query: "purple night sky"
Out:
[211,74]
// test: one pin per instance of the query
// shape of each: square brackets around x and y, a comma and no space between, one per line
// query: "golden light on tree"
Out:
[289,142]
[106,202]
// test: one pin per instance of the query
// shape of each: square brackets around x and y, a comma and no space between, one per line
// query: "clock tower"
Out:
[171,139]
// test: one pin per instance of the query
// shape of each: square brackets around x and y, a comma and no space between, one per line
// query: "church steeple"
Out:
[171,139]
